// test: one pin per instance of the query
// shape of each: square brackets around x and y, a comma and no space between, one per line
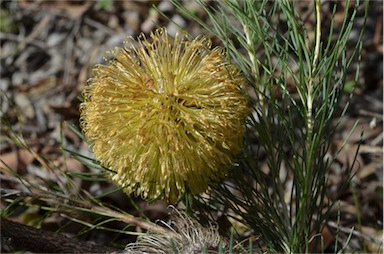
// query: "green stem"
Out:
[304,229]
[252,57]
[278,194]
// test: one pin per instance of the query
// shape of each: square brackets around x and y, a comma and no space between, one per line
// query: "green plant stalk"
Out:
[303,189]
[306,126]
[254,64]
[278,195]
[358,213]
[305,203]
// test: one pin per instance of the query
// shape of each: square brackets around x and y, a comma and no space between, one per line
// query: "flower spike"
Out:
[166,114]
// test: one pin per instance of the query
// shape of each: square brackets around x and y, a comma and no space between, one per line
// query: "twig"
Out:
[99,26]
[152,227]
[354,232]
[86,207]
[16,237]
[38,29]
[69,49]
[21,39]
[364,112]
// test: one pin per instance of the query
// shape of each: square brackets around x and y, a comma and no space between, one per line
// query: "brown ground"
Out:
[47,51]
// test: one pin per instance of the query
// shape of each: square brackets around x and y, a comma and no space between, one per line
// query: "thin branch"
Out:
[19,237]
[354,232]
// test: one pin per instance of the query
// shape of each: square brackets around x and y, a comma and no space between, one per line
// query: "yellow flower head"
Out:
[165,114]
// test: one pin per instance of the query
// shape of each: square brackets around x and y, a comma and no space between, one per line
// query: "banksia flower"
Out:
[165,115]
[186,236]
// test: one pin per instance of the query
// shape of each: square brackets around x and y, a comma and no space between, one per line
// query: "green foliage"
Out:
[5,21]
[104,4]
[298,82]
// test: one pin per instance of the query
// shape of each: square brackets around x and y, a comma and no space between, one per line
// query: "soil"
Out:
[47,51]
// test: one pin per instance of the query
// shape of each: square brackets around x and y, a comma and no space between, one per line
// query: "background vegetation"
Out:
[48,49]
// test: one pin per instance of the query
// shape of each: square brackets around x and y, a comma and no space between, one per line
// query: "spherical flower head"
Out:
[165,115]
